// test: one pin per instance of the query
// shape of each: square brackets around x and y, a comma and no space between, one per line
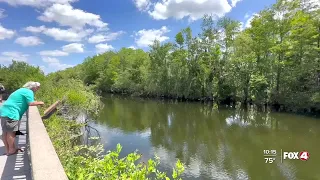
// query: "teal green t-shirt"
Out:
[17,104]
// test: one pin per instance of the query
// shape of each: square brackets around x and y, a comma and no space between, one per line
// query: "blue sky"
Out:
[56,34]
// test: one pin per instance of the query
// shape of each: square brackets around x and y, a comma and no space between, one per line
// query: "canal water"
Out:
[213,144]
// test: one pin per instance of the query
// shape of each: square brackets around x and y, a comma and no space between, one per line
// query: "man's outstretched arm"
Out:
[36,103]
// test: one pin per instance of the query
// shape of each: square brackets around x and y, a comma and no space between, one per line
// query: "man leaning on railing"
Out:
[12,111]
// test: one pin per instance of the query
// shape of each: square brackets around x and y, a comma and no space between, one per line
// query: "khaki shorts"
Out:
[9,125]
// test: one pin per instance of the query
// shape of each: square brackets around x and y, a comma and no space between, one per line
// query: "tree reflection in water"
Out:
[214,144]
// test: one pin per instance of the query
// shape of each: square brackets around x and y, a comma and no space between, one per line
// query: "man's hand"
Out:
[40,103]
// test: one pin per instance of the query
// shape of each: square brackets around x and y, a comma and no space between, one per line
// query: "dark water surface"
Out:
[213,144]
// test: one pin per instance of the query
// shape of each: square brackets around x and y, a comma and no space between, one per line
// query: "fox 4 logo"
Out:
[303,155]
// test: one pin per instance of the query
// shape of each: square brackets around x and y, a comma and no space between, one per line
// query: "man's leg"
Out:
[18,133]
[4,134]
[12,127]
[5,142]
[11,142]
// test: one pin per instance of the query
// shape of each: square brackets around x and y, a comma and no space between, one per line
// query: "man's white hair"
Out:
[31,85]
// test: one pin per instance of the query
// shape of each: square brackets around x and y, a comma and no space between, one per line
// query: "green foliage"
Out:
[110,166]
[180,39]
[18,73]
[77,96]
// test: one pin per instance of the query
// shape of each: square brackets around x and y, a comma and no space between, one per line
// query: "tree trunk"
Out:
[246,90]
[278,76]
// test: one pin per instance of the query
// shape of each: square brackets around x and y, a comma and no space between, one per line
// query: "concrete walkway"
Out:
[16,167]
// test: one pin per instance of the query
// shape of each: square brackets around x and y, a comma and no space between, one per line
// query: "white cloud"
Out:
[53,53]
[2,15]
[132,47]
[59,66]
[53,64]
[97,38]
[68,35]
[73,48]
[69,48]
[189,8]
[247,24]
[50,60]
[104,37]
[7,57]
[28,41]
[36,3]
[6,33]
[142,5]
[66,15]
[101,48]
[144,37]
[33,29]
[234,2]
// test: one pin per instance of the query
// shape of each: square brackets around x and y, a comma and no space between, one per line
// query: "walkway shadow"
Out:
[16,167]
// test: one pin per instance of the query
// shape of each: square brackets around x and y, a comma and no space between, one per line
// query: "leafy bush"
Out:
[17,74]
[77,97]
[110,166]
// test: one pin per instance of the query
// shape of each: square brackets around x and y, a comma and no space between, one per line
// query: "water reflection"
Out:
[224,144]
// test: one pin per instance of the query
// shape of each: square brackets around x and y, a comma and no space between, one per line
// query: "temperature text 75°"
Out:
[269,160]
